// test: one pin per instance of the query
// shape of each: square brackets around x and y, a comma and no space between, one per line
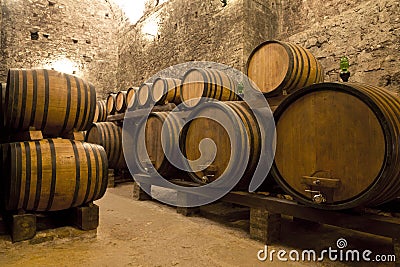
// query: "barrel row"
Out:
[320,130]
[121,101]
[196,85]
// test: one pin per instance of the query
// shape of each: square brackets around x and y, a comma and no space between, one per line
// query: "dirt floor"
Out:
[133,233]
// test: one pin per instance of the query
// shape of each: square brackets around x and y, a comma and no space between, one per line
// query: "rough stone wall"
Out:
[80,33]
[191,31]
[260,24]
[113,54]
[368,32]
[365,31]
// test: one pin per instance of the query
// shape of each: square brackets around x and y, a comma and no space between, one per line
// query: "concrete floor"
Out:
[133,233]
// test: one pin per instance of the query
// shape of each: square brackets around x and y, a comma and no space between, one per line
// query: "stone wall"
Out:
[191,31]
[67,35]
[103,47]
[368,32]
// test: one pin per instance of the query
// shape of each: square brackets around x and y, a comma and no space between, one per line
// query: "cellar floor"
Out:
[133,233]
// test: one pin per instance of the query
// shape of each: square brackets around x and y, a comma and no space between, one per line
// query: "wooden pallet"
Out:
[23,225]
[266,215]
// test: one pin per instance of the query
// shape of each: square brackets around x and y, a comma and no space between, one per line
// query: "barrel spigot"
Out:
[318,198]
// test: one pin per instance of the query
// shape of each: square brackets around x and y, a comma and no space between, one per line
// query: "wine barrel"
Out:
[131,98]
[229,154]
[166,90]
[111,103]
[152,146]
[338,145]
[50,101]
[198,84]
[100,113]
[120,105]
[144,97]
[109,136]
[52,174]
[278,67]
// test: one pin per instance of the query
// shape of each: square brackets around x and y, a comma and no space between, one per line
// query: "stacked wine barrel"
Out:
[49,174]
[337,144]
[118,103]
[197,87]
[276,68]
[109,134]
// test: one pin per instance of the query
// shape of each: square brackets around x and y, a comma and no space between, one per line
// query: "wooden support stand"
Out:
[181,209]
[111,178]
[86,217]
[142,112]
[264,220]
[139,194]
[266,216]
[265,226]
[23,227]
[76,136]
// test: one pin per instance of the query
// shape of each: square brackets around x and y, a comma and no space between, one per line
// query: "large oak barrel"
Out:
[152,146]
[230,155]
[47,100]
[166,90]
[120,104]
[278,67]
[100,113]
[111,103]
[338,145]
[131,97]
[198,84]
[53,174]
[144,97]
[109,136]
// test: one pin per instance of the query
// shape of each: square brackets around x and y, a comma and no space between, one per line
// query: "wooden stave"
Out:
[171,89]
[376,193]
[121,104]
[18,195]
[289,84]
[61,113]
[210,77]
[253,132]
[110,137]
